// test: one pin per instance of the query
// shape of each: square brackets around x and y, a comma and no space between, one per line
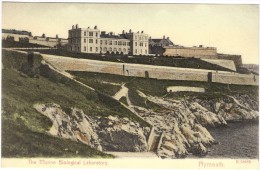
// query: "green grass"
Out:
[98,83]
[24,129]
[124,100]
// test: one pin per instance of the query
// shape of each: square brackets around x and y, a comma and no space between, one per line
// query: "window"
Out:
[85,49]
[85,33]
[135,43]
[101,42]
[84,40]
[115,42]
[145,51]
[90,40]
[110,42]
[96,34]
[90,34]
[141,51]
[90,49]
[145,44]
[96,41]
[105,42]
[136,37]
[96,49]
[119,42]
[136,51]
[124,43]
[127,43]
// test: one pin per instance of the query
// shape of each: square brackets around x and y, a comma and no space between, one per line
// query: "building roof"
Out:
[160,40]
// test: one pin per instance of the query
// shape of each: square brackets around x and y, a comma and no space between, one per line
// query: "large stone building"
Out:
[92,40]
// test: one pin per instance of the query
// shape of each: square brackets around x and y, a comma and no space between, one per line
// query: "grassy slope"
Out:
[158,87]
[24,129]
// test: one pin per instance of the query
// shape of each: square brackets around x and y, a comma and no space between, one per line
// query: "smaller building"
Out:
[156,46]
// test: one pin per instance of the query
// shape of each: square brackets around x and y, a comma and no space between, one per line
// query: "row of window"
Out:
[106,42]
[141,37]
[141,51]
[107,49]
[141,44]
[91,34]
[91,41]
[77,34]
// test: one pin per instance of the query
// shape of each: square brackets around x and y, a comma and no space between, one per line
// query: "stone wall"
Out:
[223,63]
[149,71]
[46,43]
[189,51]
[15,36]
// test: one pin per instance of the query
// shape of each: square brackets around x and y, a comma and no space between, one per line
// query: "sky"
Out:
[233,29]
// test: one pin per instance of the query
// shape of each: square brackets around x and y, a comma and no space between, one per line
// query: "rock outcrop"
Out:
[184,122]
[103,133]
[121,134]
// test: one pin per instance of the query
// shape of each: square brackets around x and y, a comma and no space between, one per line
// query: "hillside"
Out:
[24,130]
[49,113]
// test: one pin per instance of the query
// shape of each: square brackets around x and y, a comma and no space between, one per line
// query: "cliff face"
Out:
[184,122]
[180,124]
[103,133]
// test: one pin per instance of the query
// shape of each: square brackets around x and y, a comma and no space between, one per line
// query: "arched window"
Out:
[114,50]
[100,49]
[105,49]
[119,50]
[110,49]
[124,50]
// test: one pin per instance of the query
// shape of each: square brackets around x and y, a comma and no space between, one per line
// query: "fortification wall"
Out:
[149,71]
[236,58]
[223,63]
[46,43]
[16,36]
[190,51]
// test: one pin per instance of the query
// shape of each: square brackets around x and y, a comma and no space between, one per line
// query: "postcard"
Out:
[130,85]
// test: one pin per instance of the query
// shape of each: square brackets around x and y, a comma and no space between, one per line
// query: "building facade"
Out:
[88,40]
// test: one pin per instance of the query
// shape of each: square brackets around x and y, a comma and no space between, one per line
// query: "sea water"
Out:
[237,140]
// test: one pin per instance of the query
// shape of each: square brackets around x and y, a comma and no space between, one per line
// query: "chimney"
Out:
[123,31]
[111,33]
[57,36]
[150,37]
[76,26]
[95,27]
[142,31]
[168,38]
[130,31]
[103,32]
[72,26]
[164,37]
[201,46]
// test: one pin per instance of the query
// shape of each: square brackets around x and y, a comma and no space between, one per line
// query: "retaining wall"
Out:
[149,71]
